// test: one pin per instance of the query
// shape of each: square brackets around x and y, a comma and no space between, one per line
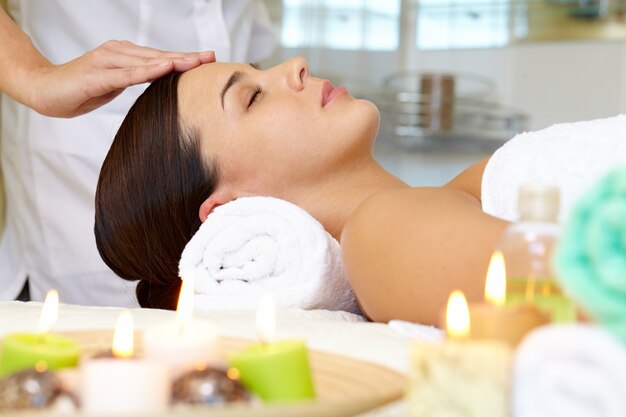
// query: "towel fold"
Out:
[570,370]
[591,256]
[255,245]
[571,156]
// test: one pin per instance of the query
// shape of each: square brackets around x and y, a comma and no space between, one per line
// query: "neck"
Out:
[332,202]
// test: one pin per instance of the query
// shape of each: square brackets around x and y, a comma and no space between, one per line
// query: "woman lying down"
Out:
[198,140]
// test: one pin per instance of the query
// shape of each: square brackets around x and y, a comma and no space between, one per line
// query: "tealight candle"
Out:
[275,371]
[185,343]
[42,349]
[460,377]
[123,384]
[493,319]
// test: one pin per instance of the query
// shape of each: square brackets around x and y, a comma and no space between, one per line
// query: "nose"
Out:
[297,71]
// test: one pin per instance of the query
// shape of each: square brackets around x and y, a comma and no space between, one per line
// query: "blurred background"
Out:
[455,79]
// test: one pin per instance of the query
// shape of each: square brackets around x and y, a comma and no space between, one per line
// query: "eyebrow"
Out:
[232,80]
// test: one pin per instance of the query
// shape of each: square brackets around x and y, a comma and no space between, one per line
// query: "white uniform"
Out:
[51,165]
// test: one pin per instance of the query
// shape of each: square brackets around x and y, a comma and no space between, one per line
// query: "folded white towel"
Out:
[255,245]
[572,156]
[570,370]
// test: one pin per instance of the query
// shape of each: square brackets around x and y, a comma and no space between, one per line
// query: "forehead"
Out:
[199,89]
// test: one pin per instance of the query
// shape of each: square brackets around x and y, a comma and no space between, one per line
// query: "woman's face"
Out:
[275,129]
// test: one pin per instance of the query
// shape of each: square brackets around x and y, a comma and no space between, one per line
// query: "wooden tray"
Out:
[344,386]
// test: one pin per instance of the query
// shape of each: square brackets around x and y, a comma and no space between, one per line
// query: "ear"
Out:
[217,198]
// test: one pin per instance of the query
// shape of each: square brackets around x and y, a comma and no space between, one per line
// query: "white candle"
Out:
[461,376]
[122,384]
[184,343]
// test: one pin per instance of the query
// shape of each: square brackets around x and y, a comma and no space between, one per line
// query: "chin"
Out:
[362,122]
[369,116]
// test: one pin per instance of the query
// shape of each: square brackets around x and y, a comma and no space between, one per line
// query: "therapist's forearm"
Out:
[19,60]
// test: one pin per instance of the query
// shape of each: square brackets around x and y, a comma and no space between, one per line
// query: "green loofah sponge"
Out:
[591,255]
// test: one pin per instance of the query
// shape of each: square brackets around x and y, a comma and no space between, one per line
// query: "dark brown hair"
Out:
[150,189]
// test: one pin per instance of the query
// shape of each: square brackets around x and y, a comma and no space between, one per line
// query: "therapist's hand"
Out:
[94,79]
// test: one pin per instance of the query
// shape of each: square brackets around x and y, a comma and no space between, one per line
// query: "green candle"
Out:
[30,350]
[25,350]
[277,371]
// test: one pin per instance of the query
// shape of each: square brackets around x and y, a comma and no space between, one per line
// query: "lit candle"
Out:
[186,342]
[275,371]
[492,319]
[122,384]
[459,377]
[40,350]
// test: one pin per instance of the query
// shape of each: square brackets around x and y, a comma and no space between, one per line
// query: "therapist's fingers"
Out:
[185,64]
[122,61]
[131,49]
[125,77]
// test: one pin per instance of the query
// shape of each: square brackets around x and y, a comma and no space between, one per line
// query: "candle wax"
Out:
[182,349]
[112,386]
[507,324]
[457,378]
[277,371]
[25,350]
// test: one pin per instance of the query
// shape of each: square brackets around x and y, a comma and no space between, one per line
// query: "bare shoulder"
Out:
[470,180]
[397,207]
[405,249]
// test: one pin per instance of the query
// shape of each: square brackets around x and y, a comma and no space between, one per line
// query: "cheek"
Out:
[283,130]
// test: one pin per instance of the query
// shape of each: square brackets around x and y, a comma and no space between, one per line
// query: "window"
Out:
[341,24]
[448,24]
[375,24]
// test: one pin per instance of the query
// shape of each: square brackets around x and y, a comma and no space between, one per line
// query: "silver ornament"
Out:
[29,389]
[208,386]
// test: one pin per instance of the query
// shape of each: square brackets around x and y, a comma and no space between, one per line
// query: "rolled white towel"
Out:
[570,370]
[571,156]
[255,245]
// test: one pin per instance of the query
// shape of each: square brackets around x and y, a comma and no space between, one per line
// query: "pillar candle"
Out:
[183,343]
[123,385]
[459,377]
[27,350]
[275,371]
[493,319]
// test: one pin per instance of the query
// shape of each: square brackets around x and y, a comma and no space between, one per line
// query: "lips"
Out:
[329,92]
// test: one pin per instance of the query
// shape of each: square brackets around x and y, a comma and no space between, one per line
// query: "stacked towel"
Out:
[591,255]
[572,156]
[570,370]
[255,245]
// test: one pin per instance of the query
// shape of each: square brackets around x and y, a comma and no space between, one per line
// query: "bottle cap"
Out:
[537,202]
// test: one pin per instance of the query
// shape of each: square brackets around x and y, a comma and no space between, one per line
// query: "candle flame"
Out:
[495,285]
[41,366]
[49,312]
[123,337]
[266,318]
[184,309]
[233,373]
[457,316]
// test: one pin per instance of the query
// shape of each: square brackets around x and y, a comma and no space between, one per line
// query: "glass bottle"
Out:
[527,247]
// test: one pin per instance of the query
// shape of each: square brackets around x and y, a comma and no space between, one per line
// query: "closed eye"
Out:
[255,95]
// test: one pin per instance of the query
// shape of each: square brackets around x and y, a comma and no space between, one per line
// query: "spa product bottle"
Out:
[527,247]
